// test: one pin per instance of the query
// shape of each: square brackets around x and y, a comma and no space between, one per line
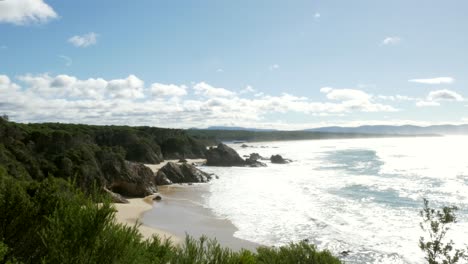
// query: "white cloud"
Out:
[427,103]
[273,67]
[159,89]
[207,90]
[396,98]
[391,40]
[437,80]
[85,40]
[345,94]
[247,89]
[65,86]
[6,85]
[444,95]
[65,98]
[68,61]
[219,70]
[317,15]
[354,100]
[128,88]
[435,97]
[23,12]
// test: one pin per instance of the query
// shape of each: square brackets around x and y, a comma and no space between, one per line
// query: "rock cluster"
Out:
[139,182]
[183,173]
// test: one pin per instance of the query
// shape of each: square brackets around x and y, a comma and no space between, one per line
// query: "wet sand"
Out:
[180,212]
[131,213]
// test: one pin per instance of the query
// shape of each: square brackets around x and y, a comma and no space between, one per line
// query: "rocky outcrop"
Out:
[115,197]
[183,173]
[252,160]
[223,156]
[278,159]
[139,182]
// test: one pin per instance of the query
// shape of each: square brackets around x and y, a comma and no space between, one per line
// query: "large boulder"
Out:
[183,173]
[278,159]
[139,182]
[223,156]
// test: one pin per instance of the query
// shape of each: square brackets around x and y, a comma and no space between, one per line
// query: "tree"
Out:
[437,223]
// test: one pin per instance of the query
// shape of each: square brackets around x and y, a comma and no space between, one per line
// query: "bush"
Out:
[437,223]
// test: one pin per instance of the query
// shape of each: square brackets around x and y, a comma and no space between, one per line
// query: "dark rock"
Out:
[244,146]
[183,173]
[116,198]
[278,159]
[255,156]
[345,253]
[223,156]
[137,183]
[182,160]
[157,198]
[252,161]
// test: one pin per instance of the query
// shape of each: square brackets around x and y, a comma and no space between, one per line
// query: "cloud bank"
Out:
[66,98]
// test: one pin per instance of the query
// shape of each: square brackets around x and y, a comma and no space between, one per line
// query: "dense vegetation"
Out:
[53,222]
[90,154]
[212,137]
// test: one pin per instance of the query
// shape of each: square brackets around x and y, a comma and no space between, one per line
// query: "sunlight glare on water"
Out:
[361,195]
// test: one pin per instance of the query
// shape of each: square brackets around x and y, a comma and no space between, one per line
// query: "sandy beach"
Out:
[180,212]
[131,213]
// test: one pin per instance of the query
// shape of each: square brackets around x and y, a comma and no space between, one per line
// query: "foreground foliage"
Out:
[436,223]
[53,222]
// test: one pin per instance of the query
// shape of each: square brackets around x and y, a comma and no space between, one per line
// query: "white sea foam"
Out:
[361,195]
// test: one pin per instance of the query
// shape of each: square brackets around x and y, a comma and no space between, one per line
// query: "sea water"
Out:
[362,196]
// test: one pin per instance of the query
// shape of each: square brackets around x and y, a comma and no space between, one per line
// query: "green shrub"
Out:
[437,223]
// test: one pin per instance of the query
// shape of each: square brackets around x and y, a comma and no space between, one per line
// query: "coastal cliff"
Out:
[111,157]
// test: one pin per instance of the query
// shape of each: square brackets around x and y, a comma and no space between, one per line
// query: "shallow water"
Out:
[361,195]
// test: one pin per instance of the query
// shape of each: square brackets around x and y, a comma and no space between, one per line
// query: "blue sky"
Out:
[281,64]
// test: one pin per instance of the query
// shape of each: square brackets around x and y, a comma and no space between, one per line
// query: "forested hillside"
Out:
[104,155]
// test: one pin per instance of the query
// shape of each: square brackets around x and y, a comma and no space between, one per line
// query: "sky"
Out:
[259,64]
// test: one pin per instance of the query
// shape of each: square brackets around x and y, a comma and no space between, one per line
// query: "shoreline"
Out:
[132,213]
[179,213]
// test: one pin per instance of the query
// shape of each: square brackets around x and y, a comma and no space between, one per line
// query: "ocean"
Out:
[357,195]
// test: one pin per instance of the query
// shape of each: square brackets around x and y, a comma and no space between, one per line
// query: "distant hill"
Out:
[375,130]
[238,128]
[400,130]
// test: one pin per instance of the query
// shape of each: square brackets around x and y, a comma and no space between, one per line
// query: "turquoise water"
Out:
[361,195]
